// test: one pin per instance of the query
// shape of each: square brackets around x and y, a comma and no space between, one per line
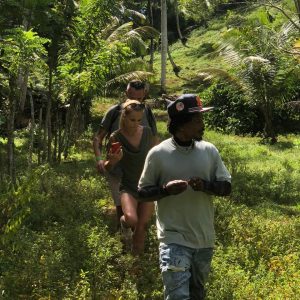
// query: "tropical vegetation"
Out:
[63,63]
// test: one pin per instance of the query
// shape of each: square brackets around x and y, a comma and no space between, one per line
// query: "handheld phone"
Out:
[115,147]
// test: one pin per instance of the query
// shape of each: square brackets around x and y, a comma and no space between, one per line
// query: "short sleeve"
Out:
[221,172]
[150,173]
[109,118]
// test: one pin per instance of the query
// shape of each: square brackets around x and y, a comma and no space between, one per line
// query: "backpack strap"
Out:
[114,117]
[151,120]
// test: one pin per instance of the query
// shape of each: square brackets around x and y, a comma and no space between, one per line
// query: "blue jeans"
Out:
[184,271]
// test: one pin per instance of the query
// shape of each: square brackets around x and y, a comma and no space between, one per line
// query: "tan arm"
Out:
[98,146]
[112,158]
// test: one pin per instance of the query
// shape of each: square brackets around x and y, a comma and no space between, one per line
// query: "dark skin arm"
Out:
[153,193]
[218,188]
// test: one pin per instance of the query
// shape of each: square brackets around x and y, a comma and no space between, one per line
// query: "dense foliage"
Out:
[58,237]
[58,58]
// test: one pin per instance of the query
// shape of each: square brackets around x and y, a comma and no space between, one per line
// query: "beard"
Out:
[199,136]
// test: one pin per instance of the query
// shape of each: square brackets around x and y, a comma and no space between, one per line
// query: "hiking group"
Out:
[180,175]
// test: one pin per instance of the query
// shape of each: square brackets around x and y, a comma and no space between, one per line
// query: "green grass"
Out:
[58,237]
[60,241]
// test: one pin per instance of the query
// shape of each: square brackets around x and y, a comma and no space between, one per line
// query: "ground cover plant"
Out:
[58,237]
[58,240]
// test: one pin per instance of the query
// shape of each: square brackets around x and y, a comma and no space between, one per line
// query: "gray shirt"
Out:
[111,119]
[133,159]
[110,123]
[187,218]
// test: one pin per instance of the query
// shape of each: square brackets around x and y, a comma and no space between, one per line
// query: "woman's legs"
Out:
[129,219]
[136,216]
[129,207]
[144,212]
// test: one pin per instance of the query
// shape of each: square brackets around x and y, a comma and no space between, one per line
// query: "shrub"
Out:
[232,114]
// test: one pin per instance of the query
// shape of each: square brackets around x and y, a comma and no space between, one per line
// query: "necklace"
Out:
[183,148]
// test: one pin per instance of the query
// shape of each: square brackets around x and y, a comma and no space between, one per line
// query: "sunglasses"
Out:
[137,106]
[138,85]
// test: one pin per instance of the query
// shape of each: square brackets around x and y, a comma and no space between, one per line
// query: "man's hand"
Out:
[196,183]
[218,188]
[175,187]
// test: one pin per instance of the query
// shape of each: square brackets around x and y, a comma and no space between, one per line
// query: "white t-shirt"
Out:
[187,218]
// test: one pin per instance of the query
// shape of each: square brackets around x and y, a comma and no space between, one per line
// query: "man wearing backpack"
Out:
[136,90]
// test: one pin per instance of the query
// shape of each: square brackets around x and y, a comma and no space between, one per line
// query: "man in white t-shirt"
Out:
[182,174]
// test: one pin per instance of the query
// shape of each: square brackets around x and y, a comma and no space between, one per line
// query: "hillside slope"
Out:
[203,41]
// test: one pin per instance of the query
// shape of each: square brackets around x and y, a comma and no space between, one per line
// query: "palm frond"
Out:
[147,32]
[133,65]
[113,23]
[229,54]
[123,79]
[120,32]
[287,31]
[131,37]
[135,42]
[135,15]
[130,66]
[253,59]
[254,65]
[210,74]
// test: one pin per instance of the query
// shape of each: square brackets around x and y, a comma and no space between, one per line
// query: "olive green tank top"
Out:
[133,159]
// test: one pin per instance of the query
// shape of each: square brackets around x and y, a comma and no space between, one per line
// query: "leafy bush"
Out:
[234,20]
[58,241]
[257,253]
[232,114]
[58,238]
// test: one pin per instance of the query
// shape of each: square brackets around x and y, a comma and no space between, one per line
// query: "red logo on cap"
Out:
[199,102]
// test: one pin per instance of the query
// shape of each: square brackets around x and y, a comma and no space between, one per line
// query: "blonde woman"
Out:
[127,148]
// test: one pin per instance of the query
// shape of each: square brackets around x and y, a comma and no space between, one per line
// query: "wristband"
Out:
[98,158]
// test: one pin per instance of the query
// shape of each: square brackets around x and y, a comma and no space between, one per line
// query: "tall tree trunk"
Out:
[67,135]
[269,131]
[2,163]
[23,80]
[32,126]
[182,39]
[176,69]
[60,140]
[55,132]
[208,5]
[48,115]
[24,74]
[150,11]
[11,128]
[40,144]
[164,45]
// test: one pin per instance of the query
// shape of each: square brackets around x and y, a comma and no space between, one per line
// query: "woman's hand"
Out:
[113,158]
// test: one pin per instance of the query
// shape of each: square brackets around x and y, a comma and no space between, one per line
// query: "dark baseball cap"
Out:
[186,104]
